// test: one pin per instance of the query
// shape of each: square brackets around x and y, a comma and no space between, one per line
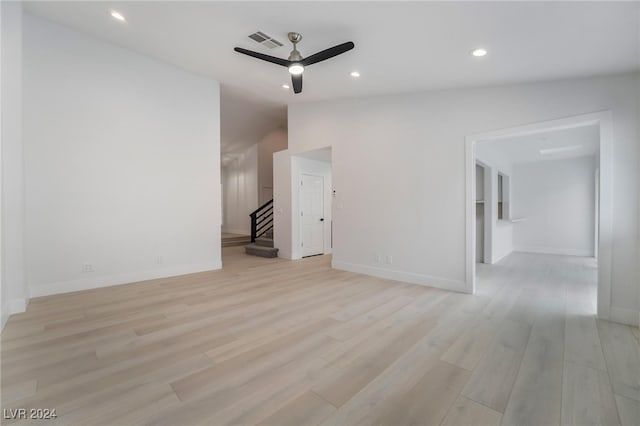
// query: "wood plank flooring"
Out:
[276,342]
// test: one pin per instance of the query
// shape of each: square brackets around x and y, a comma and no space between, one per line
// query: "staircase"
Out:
[262,247]
[262,232]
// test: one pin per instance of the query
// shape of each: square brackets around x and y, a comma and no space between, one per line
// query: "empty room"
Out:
[320,213]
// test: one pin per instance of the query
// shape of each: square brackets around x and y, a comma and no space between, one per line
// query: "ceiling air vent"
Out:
[265,40]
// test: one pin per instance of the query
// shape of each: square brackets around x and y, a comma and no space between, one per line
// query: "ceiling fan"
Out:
[296,62]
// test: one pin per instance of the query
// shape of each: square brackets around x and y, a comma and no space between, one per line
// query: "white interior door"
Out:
[312,214]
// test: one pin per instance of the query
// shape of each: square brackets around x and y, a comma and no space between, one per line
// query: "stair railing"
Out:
[261,220]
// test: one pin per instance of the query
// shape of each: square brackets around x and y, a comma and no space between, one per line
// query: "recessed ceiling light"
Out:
[355,74]
[285,86]
[117,15]
[479,52]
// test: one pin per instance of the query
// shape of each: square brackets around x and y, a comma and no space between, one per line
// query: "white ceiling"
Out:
[400,46]
[583,141]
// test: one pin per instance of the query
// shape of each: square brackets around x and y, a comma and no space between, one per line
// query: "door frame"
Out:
[300,203]
[287,197]
[604,120]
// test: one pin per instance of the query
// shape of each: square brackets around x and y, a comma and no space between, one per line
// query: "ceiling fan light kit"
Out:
[296,69]
[296,63]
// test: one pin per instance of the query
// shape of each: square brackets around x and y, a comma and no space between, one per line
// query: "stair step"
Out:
[262,251]
[236,241]
[264,242]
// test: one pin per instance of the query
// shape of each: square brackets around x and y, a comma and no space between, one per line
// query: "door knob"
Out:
[322,219]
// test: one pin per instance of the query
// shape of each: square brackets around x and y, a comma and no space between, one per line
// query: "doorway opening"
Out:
[525,210]
[311,203]
[481,212]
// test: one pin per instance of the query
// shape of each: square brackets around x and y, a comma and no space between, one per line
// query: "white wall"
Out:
[240,189]
[14,294]
[121,162]
[499,232]
[399,171]
[273,142]
[557,198]
[282,211]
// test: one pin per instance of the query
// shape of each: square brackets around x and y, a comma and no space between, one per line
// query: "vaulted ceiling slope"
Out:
[400,46]
[246,118]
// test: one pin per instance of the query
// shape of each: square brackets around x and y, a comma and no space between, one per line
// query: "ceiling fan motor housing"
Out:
[294,37]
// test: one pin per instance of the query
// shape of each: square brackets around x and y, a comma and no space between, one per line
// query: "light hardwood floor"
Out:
[275,342]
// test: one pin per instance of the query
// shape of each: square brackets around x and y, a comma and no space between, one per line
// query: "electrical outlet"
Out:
[389,259]
[377,258]
[159,260]
[87,267]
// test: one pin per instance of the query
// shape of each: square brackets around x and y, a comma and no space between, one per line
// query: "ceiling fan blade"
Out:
[272,59]
[297,83]
[328,53]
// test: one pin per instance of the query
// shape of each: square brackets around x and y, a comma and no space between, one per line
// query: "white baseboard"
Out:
[4,315]
[624,316]
[284,255]
[499,258]
[408,277]
[17,306]
[13,306]
[554,250]
[118,279]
